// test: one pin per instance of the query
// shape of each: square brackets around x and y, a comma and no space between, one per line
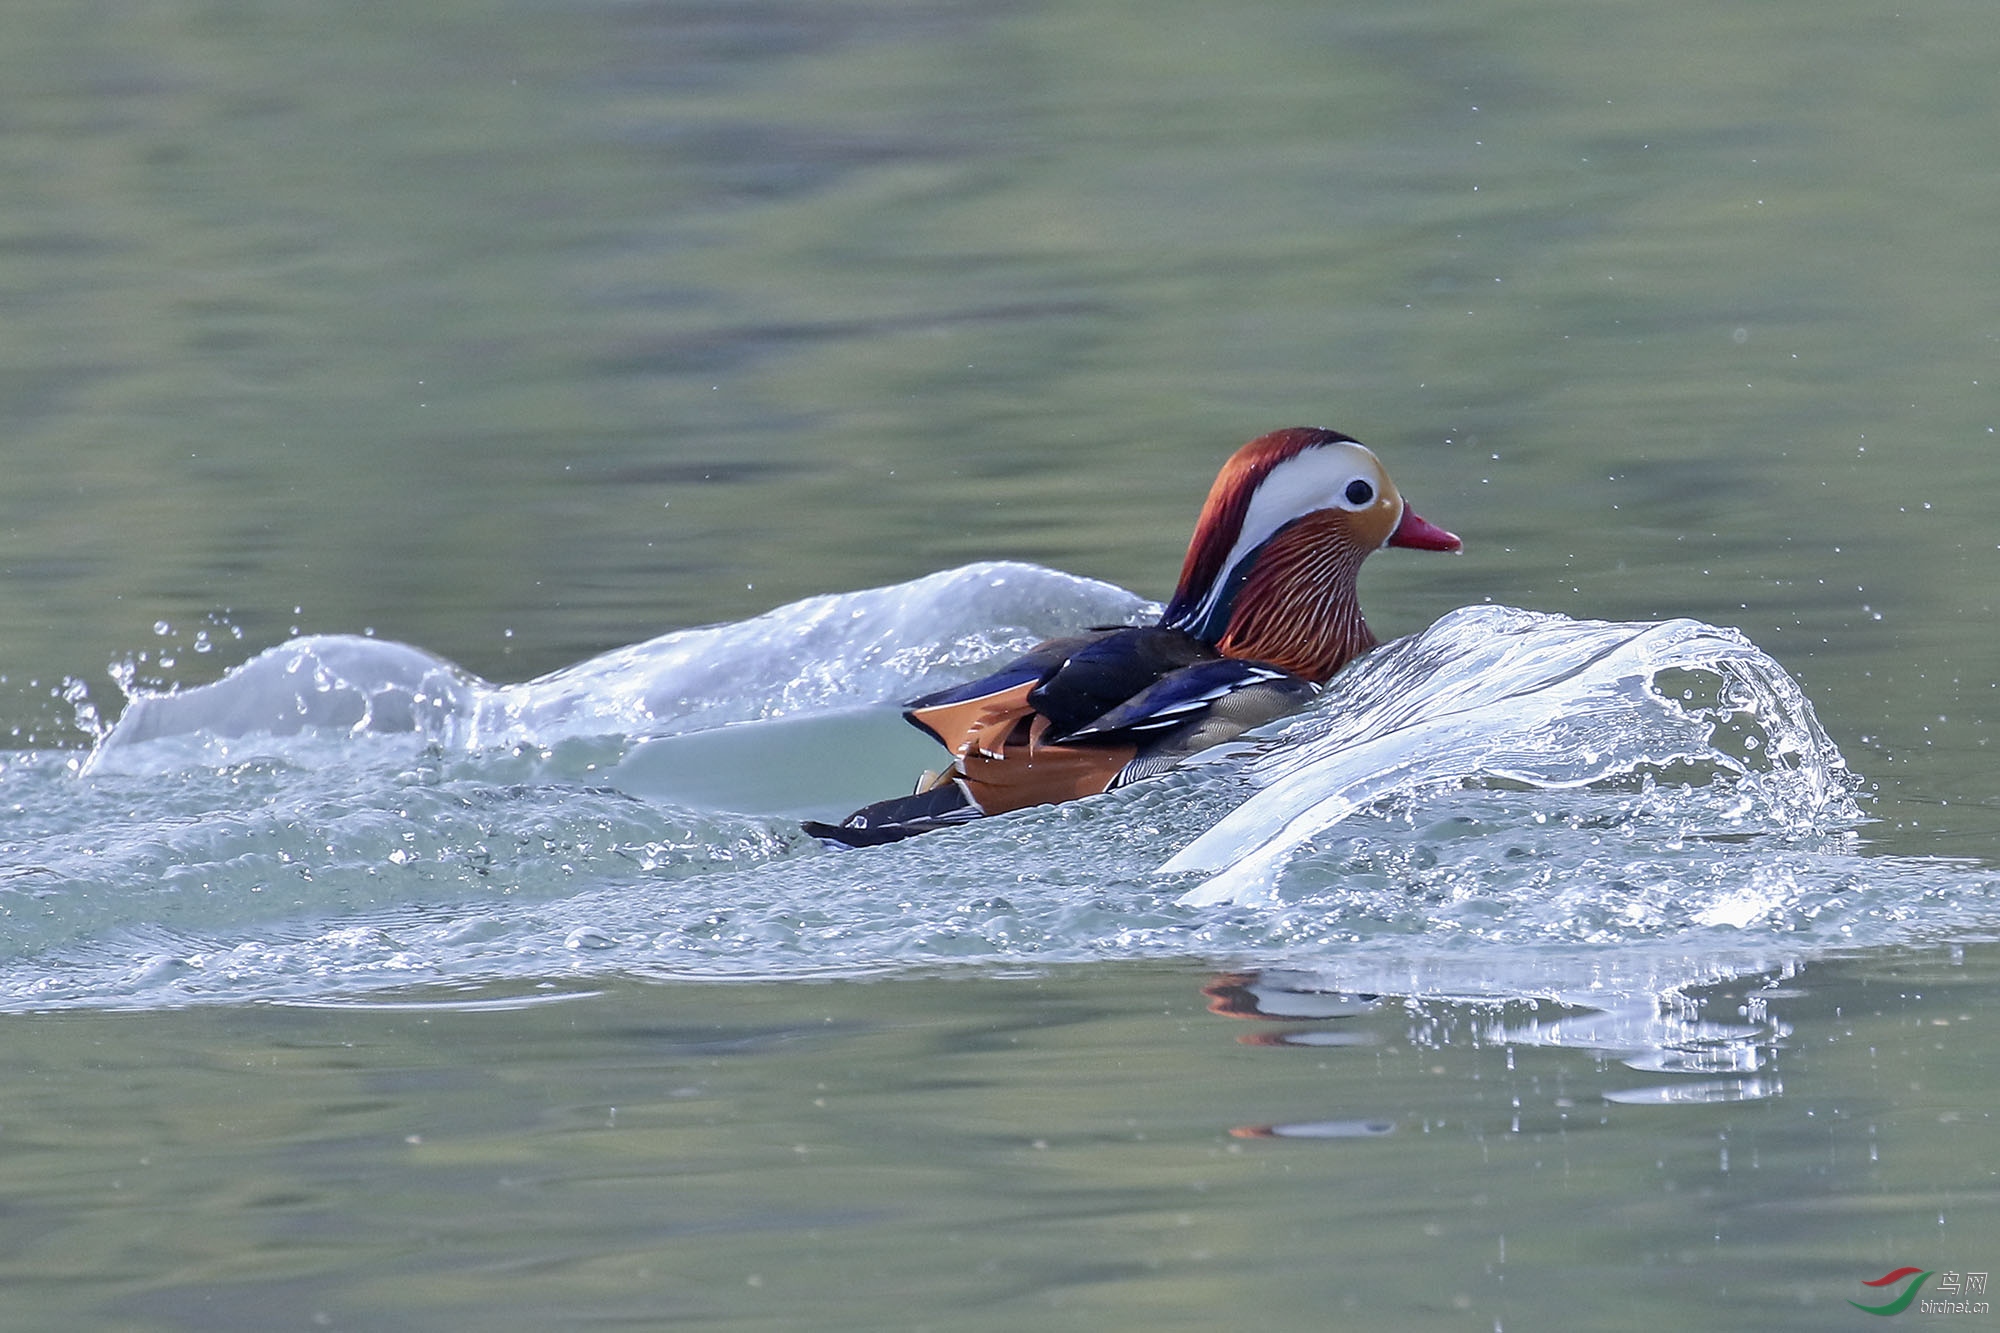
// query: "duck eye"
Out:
[1359,492]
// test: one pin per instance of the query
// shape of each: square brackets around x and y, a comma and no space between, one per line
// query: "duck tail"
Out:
[941,805]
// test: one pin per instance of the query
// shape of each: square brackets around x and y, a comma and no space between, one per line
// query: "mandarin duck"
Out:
[1265,613]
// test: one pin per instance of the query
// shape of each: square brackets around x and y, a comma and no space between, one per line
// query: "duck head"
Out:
[1271,568]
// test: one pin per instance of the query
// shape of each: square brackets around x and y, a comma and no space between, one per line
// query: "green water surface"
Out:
[520,331]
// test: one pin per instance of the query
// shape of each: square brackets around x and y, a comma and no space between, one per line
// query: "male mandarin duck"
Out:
[1265,613]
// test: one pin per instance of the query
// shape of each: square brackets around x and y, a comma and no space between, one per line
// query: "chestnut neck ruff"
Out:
[1297,607]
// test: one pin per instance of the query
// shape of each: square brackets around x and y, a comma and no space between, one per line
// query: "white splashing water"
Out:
[820,653]
[1507,805]
[1497,695]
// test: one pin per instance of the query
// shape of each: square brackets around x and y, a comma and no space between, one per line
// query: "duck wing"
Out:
[1205,705]
[1071,681]
[1131,686]
[1107,673]
[1073,717]
[966,711]
[1249,693]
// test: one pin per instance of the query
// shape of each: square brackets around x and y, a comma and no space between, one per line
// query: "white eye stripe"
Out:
[1317,478]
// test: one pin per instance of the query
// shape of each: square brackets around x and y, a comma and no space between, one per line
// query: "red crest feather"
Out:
[1221,520]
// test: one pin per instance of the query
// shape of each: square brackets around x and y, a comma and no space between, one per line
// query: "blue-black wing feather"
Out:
[1184,696]
[1125,685]
[1103,674]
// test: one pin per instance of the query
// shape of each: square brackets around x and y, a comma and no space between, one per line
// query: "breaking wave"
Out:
[1507,805]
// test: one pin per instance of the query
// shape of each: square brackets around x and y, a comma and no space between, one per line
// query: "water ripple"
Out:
[1507,807]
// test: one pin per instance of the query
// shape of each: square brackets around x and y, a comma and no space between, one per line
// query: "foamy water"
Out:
[1506,806]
